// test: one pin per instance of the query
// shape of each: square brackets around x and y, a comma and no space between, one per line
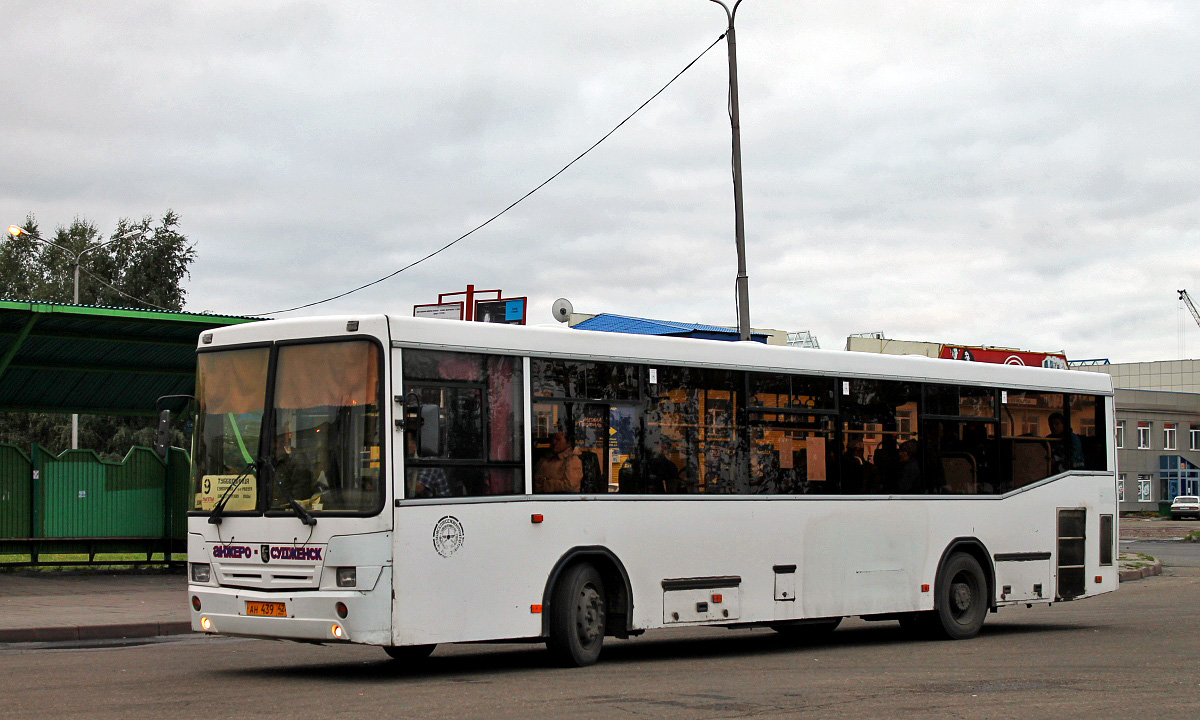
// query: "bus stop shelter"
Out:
[96,360]
[57,358]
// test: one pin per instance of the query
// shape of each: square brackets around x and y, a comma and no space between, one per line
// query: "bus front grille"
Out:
[241,575]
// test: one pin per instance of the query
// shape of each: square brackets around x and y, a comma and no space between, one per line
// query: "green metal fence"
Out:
[16,474]
[76,503]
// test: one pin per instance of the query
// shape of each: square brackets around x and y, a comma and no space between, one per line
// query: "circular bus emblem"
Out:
[447,536]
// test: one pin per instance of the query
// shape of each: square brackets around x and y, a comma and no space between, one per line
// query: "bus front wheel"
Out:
[962,601]
[577,617]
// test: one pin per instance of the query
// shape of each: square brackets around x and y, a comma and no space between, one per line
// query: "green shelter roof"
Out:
[97,360]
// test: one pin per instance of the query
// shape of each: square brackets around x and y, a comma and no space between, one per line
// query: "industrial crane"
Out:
[1187,299]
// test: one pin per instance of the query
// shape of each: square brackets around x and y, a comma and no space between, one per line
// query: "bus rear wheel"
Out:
[408,654]
[577,617]
[962,601]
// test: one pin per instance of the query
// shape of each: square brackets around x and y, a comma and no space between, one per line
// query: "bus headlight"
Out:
[347,577]
[201,572]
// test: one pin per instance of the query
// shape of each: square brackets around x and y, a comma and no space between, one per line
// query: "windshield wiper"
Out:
[214,518]
[304,515]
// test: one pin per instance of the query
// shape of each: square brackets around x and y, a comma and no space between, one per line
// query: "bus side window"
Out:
[695,441]
[594,406]
[1087,423]
[1031,451]
[469,407]
[882,416]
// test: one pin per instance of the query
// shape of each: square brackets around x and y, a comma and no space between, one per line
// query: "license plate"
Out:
[266,609]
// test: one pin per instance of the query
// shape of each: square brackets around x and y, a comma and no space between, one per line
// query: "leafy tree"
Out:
[140,265]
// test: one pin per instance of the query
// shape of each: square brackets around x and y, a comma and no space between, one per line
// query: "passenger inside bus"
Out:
[1066,448]
[661,474]
[909,480]
[424,482]
[561,471]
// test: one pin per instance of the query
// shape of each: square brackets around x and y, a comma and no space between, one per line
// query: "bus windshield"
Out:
[325,447]
[320,442]
[231,389]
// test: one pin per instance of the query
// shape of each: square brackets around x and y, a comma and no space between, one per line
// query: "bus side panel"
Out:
[860,557]
[469,572]
[473,571]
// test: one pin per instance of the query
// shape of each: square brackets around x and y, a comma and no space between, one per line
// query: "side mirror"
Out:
[162,440]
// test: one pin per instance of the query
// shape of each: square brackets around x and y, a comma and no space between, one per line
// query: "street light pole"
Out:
[17,231]
[743,280]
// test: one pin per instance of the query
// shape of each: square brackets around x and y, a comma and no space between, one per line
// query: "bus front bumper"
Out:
[303,615]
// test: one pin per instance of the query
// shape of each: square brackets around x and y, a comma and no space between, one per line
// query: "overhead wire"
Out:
[93,276]
[516,202]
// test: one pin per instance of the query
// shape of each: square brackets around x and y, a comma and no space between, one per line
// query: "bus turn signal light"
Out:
[925,588]
[1099,579]
[717,598]
[535,609]
[535,518]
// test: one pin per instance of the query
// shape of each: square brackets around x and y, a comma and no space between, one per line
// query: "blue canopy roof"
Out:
[607,322]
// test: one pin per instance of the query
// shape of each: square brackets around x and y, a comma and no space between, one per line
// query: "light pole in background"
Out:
[17,231]
[743,281]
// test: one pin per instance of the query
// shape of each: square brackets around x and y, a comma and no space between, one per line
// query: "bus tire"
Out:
[408,654]
[577,617]
[807,631]
[962,601]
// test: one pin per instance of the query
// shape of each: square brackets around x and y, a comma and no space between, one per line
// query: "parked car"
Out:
[1185,506]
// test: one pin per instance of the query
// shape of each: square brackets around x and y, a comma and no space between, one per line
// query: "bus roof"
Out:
[603,346]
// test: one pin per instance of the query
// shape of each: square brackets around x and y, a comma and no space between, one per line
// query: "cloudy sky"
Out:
[1009,173]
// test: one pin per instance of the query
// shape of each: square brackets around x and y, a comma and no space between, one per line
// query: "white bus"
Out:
[407,482]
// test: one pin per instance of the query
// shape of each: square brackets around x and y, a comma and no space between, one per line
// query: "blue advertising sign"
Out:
[506,311]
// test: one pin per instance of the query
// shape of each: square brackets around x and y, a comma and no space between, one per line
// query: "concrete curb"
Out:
[1154,568]
[115,631]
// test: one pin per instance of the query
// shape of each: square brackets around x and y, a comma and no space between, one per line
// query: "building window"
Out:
[1194,437]
[1168,436]
[1143,435]
[1144,488]
[1121,434]
[1121,487]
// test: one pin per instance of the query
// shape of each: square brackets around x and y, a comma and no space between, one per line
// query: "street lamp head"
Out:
[16,231]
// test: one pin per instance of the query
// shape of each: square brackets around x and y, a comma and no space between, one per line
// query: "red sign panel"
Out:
[1001,356]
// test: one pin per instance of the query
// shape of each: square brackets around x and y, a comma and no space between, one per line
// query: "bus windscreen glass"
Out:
[231,390]
[325,451]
